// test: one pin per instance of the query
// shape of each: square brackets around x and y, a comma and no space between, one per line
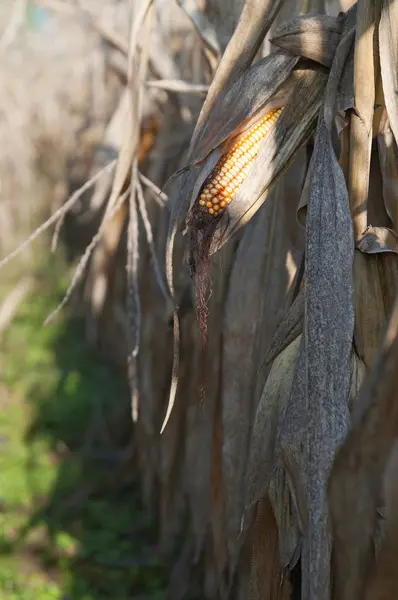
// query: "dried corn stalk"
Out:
[218,199]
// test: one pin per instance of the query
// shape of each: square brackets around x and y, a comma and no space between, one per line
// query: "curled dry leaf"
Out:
[313,37]
[378,239]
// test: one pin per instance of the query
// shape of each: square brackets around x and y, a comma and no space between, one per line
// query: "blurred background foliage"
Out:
[72,522]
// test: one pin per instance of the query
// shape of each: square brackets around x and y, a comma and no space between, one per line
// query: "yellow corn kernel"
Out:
[230,172]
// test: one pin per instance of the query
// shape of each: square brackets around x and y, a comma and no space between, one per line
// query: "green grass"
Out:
[65,533]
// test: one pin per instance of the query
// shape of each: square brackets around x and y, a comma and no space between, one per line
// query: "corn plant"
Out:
[318,380]
[277,403]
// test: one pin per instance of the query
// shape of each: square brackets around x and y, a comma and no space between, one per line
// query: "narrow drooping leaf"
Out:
[358,471]
[313,37]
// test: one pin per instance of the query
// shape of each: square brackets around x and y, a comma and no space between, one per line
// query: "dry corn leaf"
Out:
[269,580]
[358,372]
[233,110]
[286,518]
[219,537]
[292,440]
[254,22]
[362,119]
[359,468]
[329,324]
[191,179]
[383,581]
[315,37]
[370,310]
[285,264]
[378,239]
[242,310]
[291,131]
[319,414]
[274,268]
[289,329]
[270,411]
[215,23]
[388,157]
[388,43]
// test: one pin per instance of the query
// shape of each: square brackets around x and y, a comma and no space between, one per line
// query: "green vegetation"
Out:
[72,526]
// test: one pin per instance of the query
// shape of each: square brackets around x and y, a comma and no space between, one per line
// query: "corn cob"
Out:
[231,170]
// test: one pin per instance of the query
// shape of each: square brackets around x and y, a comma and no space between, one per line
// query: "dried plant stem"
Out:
[133,299]
[59,214]
[149,236]
[84,188]
[136,73]
[174,85]
[157,193]
[82,264]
